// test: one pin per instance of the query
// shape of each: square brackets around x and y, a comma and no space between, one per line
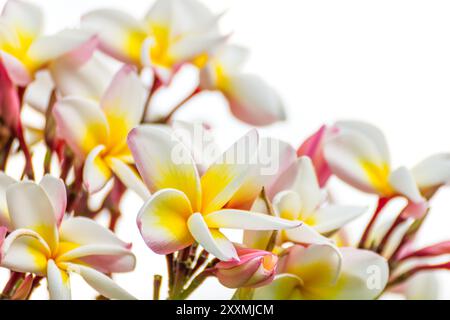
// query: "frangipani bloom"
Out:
[357,153]
[255,268]
[98,134]
[303,201]
[316,272]
[44,243]
[23,50]
[250,98]
[173,32]
[186,207]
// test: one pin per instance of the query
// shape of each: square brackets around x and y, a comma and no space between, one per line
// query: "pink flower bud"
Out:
[254,269]
[312,147]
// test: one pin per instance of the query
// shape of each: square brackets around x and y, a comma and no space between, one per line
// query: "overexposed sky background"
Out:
[385,61]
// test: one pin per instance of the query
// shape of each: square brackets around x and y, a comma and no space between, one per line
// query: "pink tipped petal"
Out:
[58,282]
[84,231]
[56,191]
[211,240]
[30,208]
[164,162]
[313,148]
[120,34]
[163,221]
[96,172]
[129,177]
[333,217]
[246,220]
[81,123]
[403,182]
[16,70]
[102,257]
[253,101]
[123,104]
[100,282]
[227,175]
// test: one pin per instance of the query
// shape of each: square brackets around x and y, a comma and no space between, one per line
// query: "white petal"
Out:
[23,16]
[403,182]
[96,172]
[307,186]
[100,282]
[129,177]
[246,220]
[56,191]
[305,235]
[212,240]
[432,171]
[30,208]
[58,282]
[333,217]
[5,182]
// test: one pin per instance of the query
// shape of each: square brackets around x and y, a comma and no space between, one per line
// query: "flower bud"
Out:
[254,269]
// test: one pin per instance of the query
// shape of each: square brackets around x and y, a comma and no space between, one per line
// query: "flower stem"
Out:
[157,280]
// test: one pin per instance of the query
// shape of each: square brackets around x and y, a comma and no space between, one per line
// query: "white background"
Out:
[385,61]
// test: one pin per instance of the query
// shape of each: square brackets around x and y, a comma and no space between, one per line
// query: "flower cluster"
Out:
[98,137]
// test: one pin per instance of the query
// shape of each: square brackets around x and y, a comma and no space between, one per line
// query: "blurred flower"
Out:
[44,243]
[97,134]
[187,207]
[317,272]
[422,286]
[303,201]
[251,99]
[172,33]
[255,268]
[23,50]
[357,153]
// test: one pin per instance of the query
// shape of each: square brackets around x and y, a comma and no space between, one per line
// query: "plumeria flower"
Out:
[422,286]
[45,244]
[315,272]
[97,134]
[173,32]
[23,48]
[303,201]
[255,268]
[185,207]
[357,153]
[250,98]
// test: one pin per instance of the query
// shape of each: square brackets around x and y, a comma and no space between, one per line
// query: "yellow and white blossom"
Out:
[46,244]
[173,32]
[98,133]
[23,48]
[185,207]
[316,272]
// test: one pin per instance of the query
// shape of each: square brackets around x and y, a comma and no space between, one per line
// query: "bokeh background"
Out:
[385,61]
